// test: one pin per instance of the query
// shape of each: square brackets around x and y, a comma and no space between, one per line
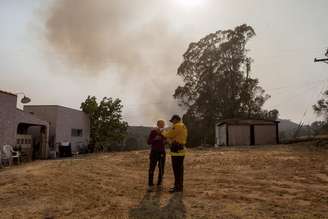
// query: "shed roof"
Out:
[5,92]
[247,122]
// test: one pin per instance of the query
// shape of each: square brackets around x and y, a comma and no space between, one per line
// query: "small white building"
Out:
[65,125]
[39,129]
[240,132]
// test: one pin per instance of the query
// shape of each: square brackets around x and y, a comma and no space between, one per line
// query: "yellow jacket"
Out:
[178,133]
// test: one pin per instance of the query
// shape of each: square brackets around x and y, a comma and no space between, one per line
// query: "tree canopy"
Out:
[106,124]
[321,108]
[216,72]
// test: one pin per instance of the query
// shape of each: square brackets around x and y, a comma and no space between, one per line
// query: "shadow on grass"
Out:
[150,207]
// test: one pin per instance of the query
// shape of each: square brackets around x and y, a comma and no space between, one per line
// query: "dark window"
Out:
[77,132]
[18,141]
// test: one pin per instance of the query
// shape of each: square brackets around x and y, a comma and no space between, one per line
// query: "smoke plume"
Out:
[135,36]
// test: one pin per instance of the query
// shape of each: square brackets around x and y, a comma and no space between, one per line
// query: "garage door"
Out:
[239,135]
[265,134]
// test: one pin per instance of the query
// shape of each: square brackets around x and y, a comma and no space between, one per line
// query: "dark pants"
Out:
[156,158]
[177,165]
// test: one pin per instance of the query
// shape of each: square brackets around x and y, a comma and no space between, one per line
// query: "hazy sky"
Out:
[132,50]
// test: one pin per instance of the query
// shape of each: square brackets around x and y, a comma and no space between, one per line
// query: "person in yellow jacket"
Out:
[177,136]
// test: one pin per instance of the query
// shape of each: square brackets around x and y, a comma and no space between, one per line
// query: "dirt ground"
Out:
[244,182]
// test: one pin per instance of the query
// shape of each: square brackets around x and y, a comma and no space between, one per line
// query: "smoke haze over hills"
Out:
[61,51]
[136,37]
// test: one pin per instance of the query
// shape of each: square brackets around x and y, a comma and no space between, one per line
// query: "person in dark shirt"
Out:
[157,155]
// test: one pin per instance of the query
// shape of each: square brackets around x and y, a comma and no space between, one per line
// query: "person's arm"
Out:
[169,133]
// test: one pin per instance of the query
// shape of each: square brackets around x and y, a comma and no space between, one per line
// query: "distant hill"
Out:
[288,128]
[287,125]
[137,137]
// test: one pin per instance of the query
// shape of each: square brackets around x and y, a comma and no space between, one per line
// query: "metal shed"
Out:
[239,132]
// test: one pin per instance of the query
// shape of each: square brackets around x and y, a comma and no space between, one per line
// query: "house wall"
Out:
[62,121]
[68,119]
[11,117]
[7,118]
[265,134]
[239,135]
[46,113]
[27,118]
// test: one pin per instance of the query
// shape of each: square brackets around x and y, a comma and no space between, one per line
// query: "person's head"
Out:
[175,119]
[160,123]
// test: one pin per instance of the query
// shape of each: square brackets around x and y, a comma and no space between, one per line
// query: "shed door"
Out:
[221,135]
[265,134]
[239,135]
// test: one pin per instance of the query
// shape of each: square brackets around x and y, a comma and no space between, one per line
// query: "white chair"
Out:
[9,154]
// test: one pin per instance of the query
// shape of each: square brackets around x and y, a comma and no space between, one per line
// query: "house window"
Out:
[77,132]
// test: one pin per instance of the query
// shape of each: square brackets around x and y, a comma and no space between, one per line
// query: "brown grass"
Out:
[261,182]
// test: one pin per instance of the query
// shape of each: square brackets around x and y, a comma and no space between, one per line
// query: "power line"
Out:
[294,85]
[293,98]
[324,87]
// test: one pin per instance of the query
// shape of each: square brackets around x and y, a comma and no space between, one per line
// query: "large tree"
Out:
[217,82]
[106,124]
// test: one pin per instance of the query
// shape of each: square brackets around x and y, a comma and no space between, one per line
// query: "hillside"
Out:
[246,182]
[137,137]
[288,128]
[287,125]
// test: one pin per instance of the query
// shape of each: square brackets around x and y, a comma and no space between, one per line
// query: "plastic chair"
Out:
[9,154]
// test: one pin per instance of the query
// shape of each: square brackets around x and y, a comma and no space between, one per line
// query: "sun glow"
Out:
[190,3]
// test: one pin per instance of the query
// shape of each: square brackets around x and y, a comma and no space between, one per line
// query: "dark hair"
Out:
[175,117]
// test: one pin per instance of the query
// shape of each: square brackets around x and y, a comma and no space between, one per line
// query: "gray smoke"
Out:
[135,36]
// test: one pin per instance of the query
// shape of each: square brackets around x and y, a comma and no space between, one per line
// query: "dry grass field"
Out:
[244,182]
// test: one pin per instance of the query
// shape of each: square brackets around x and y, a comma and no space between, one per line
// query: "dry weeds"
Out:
[261,182]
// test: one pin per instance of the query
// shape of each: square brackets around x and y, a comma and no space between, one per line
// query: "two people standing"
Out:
[176,137]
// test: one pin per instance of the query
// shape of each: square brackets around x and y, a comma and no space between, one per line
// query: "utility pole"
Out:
[325,60]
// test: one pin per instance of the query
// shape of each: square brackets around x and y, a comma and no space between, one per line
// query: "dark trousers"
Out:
[177,165]
[156,158]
